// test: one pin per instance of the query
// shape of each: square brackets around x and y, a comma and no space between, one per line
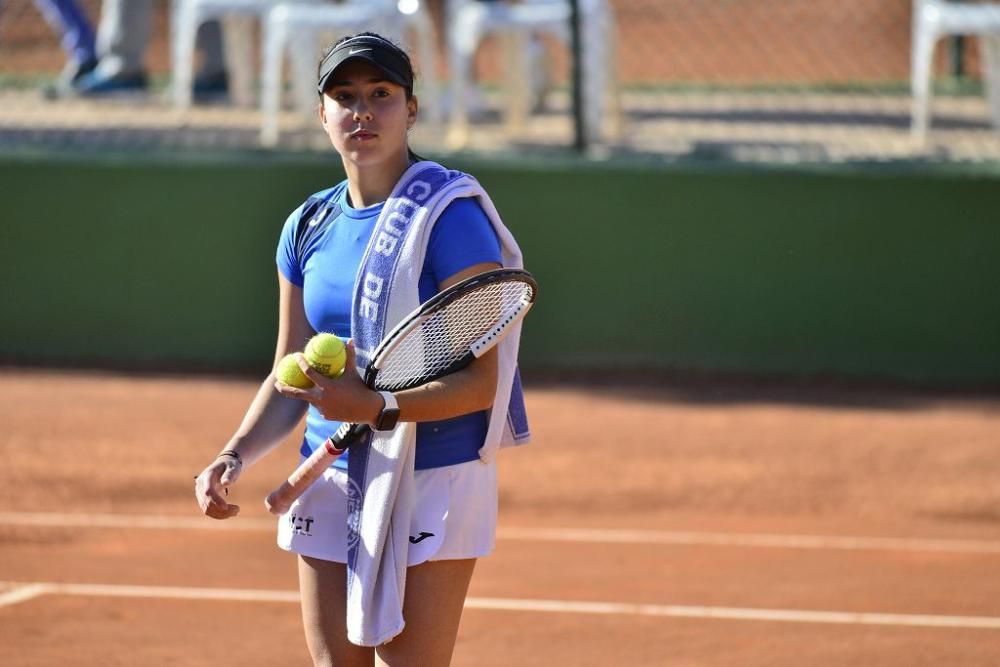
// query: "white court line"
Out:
[750,540]
[737,613]
[554,534]
[541,606]
[71,520]
[22,593]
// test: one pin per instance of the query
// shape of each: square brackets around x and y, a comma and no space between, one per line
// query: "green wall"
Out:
[152,262]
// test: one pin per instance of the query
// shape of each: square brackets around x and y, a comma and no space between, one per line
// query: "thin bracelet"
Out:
[232,454]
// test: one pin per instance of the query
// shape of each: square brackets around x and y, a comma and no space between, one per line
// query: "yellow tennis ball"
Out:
[289,372]
[326,353]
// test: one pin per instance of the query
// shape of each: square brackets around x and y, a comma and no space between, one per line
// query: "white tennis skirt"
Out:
[454,515]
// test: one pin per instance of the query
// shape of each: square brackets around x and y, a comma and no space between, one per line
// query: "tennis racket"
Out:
[440,337]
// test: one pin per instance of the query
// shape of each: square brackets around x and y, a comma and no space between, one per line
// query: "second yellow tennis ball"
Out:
[289,372]
[326,353]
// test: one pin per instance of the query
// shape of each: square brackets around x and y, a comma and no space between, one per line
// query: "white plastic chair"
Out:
[302,26]
[237,18]
[471,22]
[934,19]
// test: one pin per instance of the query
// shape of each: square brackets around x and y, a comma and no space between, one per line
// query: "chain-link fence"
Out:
[746,80]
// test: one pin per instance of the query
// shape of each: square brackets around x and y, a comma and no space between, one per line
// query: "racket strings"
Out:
[447,335]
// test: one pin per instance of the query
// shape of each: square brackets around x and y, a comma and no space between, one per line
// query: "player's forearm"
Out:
[268,421]
[469,390]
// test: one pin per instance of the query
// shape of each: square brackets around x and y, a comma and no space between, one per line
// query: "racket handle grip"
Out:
[279,500]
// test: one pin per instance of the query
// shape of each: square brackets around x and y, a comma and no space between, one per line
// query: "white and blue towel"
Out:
[380,469]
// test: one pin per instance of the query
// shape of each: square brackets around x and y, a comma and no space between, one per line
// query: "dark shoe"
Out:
[68,79]
[96,85]
[74,71]
[210,86]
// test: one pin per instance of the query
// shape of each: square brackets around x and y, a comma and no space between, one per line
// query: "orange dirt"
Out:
[719,459]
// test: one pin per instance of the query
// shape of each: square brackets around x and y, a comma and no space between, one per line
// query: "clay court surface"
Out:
[740,525]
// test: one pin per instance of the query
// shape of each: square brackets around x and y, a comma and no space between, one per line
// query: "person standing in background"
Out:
[76,33]
[122,41]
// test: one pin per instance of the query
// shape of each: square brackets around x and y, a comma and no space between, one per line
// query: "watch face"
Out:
[387,420]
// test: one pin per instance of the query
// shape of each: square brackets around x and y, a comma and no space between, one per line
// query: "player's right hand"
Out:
[212,486]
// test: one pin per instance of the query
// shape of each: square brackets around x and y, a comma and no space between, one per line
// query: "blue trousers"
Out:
[66,17]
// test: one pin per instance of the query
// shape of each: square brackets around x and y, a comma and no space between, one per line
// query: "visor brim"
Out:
[370,55]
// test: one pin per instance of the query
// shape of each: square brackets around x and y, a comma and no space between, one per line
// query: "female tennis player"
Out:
[367,107]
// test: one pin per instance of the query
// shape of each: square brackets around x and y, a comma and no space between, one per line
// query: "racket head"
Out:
[451,329]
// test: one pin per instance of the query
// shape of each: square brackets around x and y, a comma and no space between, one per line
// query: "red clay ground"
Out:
[714,468]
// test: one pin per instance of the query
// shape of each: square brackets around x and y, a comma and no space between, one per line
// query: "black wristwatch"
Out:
[390,413]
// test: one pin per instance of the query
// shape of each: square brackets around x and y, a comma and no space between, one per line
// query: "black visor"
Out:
[379,52]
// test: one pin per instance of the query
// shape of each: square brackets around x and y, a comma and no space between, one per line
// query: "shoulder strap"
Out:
[317,215]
